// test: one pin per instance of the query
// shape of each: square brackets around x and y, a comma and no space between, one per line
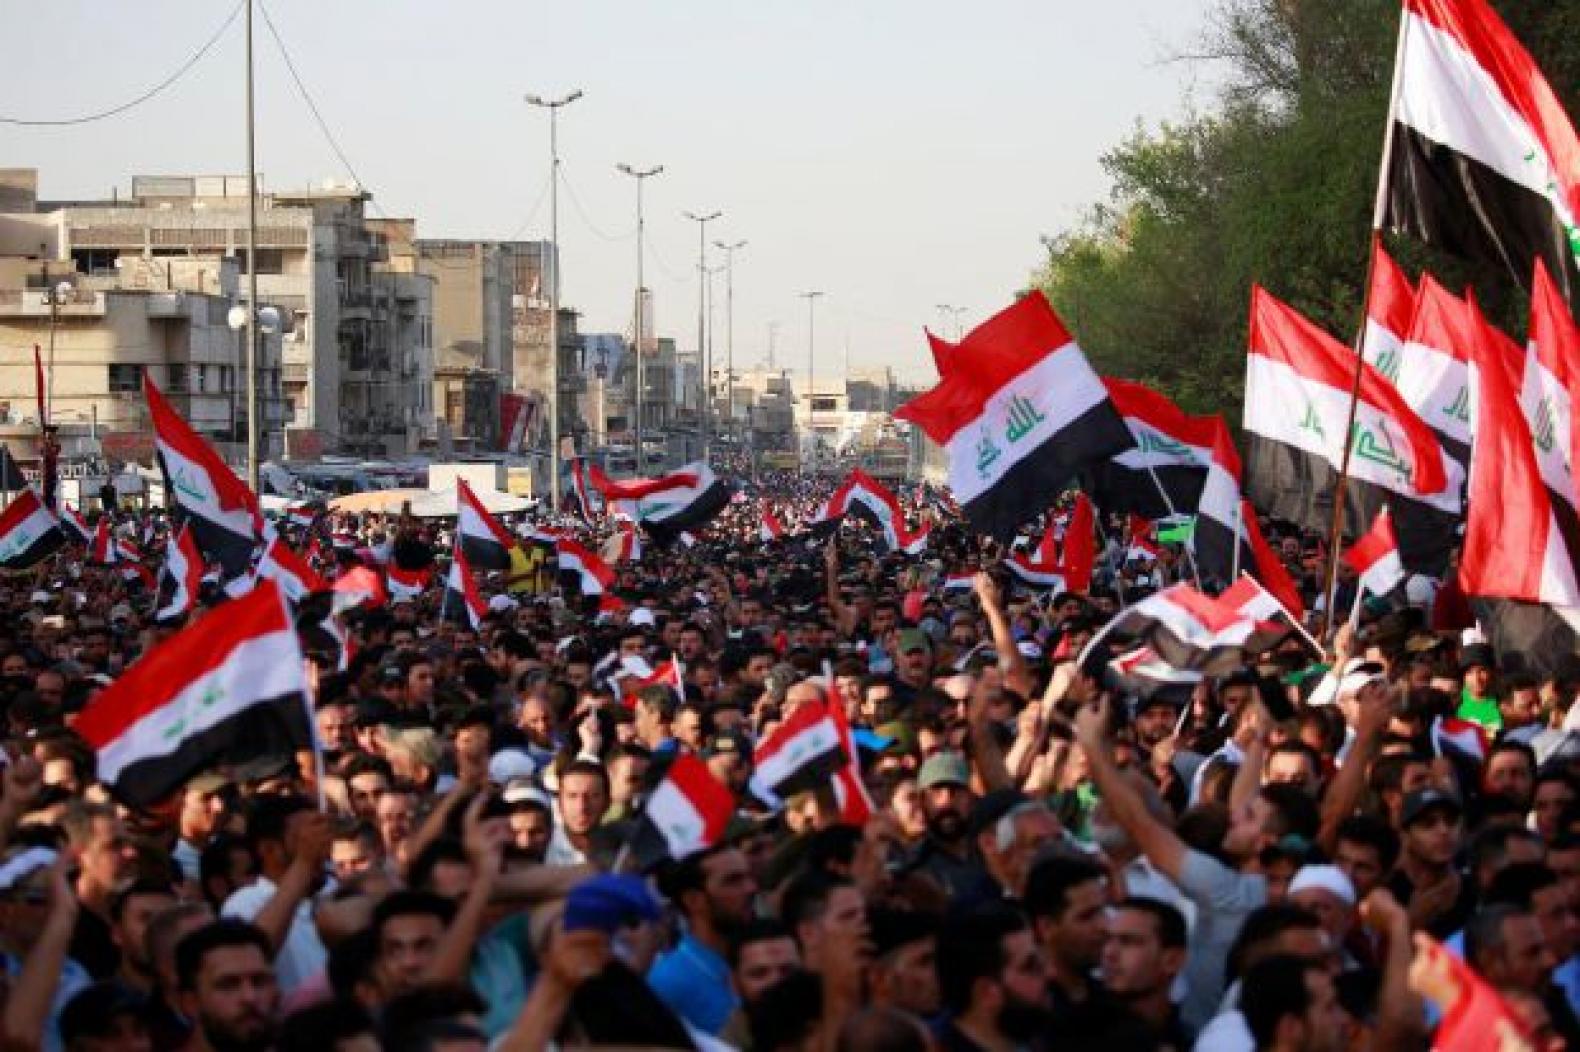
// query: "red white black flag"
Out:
[1164,473]
[771,528]
[486,542]
[229,689]
[1390,308]
[224,512]
[181,578]
[289,570]
[462,601]
[29,532]
[593,575]
[1375,559]
[1297,396]
[1023,418]
[1484,162]
[671,505]
[688,812]
[1190,631]
[1513,548]
[803,752]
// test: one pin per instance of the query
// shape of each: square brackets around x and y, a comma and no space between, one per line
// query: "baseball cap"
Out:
[1477,654]
[609,902]
[520,793]
[914,639]
[944,768]
[725,744]
[508,765]
[1421,801]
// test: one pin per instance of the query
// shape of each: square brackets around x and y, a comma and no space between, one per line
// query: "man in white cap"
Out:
[1328,893]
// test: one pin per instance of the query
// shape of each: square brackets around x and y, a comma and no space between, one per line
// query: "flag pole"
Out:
[1116,570]
[1379,210]
[1293,620]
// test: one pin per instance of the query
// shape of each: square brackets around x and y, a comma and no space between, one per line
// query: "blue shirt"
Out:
[694,982]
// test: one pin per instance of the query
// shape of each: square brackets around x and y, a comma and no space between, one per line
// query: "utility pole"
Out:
[702,222]
[729,248]
[554,106]
[252,273]
[640,175]
[811,351]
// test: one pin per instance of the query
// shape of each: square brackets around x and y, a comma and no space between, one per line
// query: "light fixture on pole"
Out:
[949,313]
[729,248]
[811,346]
[554,106]
[240,319]
[640,175]
[55,297]
[702,222]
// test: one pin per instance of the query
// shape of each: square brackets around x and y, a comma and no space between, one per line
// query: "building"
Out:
[359,340]
[100,333]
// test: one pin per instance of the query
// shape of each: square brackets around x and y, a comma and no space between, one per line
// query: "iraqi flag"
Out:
[407,584]
[1021,413]
[1143,546]
[1164,472]
[1038,575]
[1434,366]
[1514,547]
[1548,394]
[228,690]
[181,577]
[802,753]
[771,529]
[667,674]
[688,812]
[867,498]
[959,583]
[29,532]
[1375,558]
[1390,310]
[1218,543]
[623,546]
[1297,396]
[289,570]
[1145,674]
[850,792]
[636,489]
[1189,631]
[462,603]
[486,542]
[1466,739]
[224,512]
[77,529]
[685,502]
[102,550]
[588,501]
[1483,161]
[593,575]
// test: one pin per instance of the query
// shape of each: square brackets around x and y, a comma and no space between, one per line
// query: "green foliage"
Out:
[1273,186]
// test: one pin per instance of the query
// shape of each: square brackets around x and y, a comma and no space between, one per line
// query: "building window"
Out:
[126,379]
[202,380]
[270,260]
[178,377]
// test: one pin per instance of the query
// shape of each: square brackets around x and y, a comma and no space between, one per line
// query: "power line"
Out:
[340,153]
[114,111]
[596,230]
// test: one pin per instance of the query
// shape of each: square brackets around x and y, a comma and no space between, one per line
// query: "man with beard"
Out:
[228,988]
[713,892]
[993,982]
[946,855]
[1067,899]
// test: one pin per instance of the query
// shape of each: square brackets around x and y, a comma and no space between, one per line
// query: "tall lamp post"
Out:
[729,249]
[702,222]
[811,350]
[554,106]
[640,175]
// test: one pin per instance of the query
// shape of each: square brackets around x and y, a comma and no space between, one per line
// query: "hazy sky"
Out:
[895,154]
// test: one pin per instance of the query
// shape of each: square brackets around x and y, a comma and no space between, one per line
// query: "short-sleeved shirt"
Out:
[303,955]
[74,978]
[694,981]
[1223,898]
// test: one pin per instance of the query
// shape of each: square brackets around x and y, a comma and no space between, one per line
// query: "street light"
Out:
[947,312]
[54,296]
[640,175]
[811,315]
[269,320]
[729,248]
[702,222]
[554,106]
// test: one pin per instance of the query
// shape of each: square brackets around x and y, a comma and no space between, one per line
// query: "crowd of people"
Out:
[1291,856]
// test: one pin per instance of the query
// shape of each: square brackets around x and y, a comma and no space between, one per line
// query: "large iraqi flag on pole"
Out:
[224,513]
[29,532]
[228,690]
[1482,160]
[1434,367]
[681,502]
[1514,547]
[1390,308]
[1164,472]
[1548,396]
[1021,413]
[1189,631]
[1297,396]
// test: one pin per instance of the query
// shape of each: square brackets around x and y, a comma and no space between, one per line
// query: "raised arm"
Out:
[27,1008]
[1156,840]
[844,615]
[309,852]
[1017,675]
[485,850]
[1344,792]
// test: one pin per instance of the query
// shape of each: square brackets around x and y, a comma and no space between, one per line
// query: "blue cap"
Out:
[608,903]
[870,740]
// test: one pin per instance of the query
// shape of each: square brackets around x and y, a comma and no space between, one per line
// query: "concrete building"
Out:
[360,342]
[100,333]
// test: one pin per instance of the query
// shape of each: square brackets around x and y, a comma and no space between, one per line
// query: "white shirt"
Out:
[303,955]
[561,852]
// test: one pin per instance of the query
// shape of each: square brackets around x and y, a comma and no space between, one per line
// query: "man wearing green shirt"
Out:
[1476,702]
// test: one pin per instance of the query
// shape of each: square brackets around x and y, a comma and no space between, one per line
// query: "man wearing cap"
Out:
[1328,893]
[947,855]
[913,666]
[1476,702]
[1426,883]
[37,914]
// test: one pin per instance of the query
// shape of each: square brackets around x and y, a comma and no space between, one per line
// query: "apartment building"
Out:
[359,341]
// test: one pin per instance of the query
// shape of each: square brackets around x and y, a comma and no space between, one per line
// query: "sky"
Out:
[892,154]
